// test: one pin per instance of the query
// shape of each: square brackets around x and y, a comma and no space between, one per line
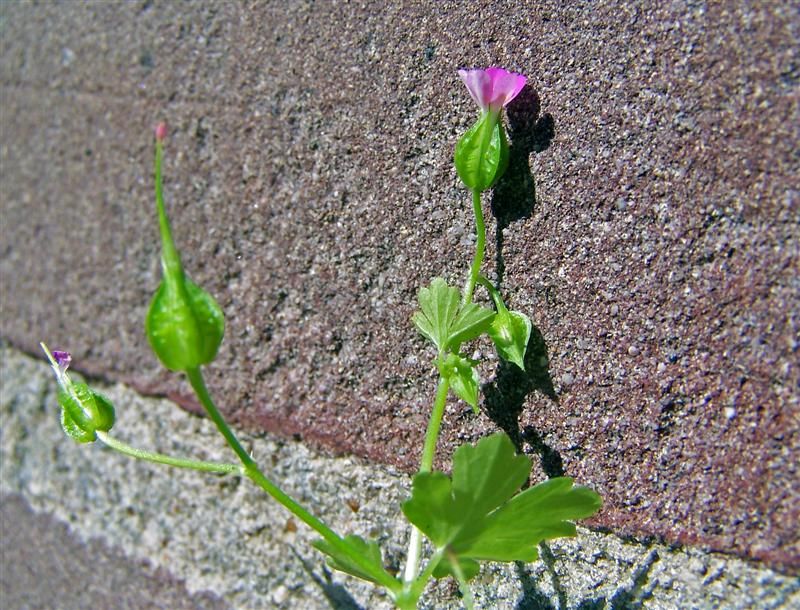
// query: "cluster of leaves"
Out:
[478,514]
[448,324]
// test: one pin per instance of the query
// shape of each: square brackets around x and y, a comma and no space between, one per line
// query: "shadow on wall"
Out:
[631,597]
[514,196]
[336,595]
[513,199]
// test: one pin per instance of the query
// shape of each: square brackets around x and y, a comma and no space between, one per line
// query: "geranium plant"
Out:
[477,513]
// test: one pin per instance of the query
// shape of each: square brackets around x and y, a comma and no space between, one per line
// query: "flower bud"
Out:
[482,153]
[184,324]
[83,411]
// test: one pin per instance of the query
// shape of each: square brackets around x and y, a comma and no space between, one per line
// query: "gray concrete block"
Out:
[228,543]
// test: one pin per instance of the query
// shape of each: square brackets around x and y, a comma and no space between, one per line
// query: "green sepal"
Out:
[346,562]
[510,331]
[84,411]
[444,322]
[75,432]
[184,324]
[482,153]
[476,514]
[463,378]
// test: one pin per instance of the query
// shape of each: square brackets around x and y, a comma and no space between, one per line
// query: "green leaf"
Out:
[469,567]
[463,378]
[347,561]
[477,516]
[443,322]
[471,322]
[542,512]
[184,324]
[510,331]
[439,308]
[482,153]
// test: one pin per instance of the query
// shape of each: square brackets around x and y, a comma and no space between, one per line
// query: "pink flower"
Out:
[492,88]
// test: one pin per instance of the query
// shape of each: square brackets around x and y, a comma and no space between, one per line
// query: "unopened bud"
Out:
[83,411]
[161,131]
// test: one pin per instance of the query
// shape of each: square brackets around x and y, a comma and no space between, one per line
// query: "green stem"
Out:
[435,423]
[199,386]
[480,248]
[413,590]
[160,458]
[252,471]
[494,293]
[170,259]
[428,451]
[466,594]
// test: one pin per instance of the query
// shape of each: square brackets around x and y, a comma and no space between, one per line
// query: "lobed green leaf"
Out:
[471,322]
[476,516]
[444,322]
[439,308]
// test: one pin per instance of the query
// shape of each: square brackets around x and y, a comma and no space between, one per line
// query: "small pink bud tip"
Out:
[62,359]
[161,131]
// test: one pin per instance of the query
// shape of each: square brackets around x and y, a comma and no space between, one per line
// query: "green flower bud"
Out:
[482,153]
[83,411]
[184,324]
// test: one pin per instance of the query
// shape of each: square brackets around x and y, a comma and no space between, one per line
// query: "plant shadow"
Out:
[336,594]
[514,196]
[631,597]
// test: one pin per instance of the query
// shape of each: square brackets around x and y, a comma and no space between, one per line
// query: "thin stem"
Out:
[494,293]
[199,387]
[160,458]
[170,259]
[428,451]
[480,248]
[252,471]
[422,581]
[466,594]
[435,423]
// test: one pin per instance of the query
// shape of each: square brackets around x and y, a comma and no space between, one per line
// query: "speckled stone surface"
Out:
[42,566]
[648,224]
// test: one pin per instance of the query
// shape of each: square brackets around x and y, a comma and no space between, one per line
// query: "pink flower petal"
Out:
[493,88]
